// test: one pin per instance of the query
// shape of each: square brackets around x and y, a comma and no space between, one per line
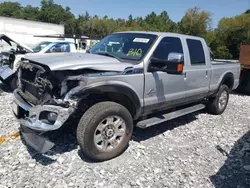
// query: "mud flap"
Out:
[5,72]
[37,142]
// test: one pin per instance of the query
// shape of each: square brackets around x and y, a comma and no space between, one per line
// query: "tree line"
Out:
[224,41]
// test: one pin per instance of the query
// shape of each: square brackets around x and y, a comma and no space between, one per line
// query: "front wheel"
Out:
[104,131]
[218,104]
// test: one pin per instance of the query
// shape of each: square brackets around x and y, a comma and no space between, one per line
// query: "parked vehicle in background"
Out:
[127,79]
[11,57]
[82,43]
[244,60]
[40,46]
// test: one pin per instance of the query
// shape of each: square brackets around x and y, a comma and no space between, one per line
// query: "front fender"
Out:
[107,87]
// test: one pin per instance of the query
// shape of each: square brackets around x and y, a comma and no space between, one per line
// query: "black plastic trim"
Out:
[115,88]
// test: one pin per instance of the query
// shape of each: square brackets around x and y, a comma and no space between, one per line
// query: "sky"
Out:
[175,8]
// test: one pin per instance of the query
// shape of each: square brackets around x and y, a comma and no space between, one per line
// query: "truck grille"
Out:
[30,84]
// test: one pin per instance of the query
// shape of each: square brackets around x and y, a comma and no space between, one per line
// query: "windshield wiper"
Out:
[109,55]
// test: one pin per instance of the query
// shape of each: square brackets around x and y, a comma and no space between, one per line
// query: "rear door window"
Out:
[196,52]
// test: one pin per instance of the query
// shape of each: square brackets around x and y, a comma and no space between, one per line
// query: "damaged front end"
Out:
[41,102]
[36,120]
[40,117]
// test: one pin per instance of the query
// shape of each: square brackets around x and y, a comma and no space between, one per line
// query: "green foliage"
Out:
[247,11]
[222,53]
[224,41]
[11,9]
[30,13]
[234,31]
[195,22]
[212,39]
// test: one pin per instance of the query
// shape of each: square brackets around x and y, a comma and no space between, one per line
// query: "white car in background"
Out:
[48,47]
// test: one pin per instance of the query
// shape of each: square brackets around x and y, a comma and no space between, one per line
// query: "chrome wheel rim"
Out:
[109,133]
[222,100]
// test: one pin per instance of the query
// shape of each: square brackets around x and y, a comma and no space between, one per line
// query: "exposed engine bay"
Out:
[39,85]
[48,98]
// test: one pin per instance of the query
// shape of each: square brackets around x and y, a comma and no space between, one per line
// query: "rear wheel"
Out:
[218,104]
[104,131]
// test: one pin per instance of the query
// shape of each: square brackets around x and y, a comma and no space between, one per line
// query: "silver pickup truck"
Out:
[128,79]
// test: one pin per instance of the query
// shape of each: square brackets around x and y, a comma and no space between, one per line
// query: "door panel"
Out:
[197,82]
[163,90]
[199,71]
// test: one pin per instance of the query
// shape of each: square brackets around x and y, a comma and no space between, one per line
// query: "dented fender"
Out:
[83,90]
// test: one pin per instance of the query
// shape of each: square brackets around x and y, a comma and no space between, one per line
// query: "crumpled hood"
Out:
[75,61]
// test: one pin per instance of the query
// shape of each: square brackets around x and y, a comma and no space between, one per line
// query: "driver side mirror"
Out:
[173,65]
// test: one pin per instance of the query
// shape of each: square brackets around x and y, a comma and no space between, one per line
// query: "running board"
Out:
[172,115]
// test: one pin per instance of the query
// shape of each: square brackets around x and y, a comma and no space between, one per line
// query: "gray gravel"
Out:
[198,150]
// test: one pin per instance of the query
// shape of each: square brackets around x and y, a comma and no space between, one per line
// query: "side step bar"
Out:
[172,115]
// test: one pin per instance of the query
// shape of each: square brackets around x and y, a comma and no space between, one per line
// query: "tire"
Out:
[91,126]
[214,105]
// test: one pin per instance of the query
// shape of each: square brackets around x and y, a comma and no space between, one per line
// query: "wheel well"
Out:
[119,98]
[229,82]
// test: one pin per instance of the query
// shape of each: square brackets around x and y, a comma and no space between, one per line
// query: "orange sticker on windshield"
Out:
[134,52]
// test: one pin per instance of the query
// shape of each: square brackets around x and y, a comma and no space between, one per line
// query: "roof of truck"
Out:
[161,34]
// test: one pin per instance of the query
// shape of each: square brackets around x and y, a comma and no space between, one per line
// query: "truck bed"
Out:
[221,62]
[219,67]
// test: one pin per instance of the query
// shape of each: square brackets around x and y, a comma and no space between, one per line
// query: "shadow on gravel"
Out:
[145,134]
[240,93]
[236,170]
[65,138]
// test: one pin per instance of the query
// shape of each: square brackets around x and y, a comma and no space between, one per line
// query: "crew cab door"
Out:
[164,90]
[198,69]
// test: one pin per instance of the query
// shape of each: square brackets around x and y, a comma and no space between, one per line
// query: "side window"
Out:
[60,47]
[166,46]
[196,52]
[65,47]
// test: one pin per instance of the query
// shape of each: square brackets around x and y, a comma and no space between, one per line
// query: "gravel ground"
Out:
[198,150]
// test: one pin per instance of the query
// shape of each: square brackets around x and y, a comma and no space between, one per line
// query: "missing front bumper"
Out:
[36,141]
[29,116]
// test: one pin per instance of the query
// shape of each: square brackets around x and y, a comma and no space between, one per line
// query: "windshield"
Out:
[126,46]
[40,46]
[57,47]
